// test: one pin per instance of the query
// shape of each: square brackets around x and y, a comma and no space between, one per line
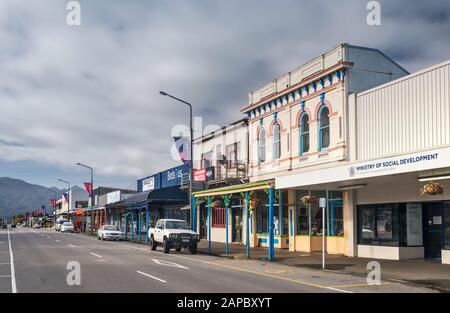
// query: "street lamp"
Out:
[68,204]
[91,196]
[54,206]
[191,161]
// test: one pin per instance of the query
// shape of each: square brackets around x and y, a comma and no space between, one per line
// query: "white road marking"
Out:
[171,264]
[13,273]
[150,276]
[5,263]
[340,290]
[5,276]
[98,256]
[72,246]
[48,237]
[58,240]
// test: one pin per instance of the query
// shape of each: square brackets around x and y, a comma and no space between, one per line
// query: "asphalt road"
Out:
[40,260]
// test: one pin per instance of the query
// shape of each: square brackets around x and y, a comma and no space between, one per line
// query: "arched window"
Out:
[304,133]
[262,145]
[324,128]
[276,141]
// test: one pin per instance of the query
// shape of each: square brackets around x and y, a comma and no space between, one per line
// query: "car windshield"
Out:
[62,222]
[110,227]
[176,225]
[68,224]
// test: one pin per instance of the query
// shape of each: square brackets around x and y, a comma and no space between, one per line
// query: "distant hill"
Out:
[18,196]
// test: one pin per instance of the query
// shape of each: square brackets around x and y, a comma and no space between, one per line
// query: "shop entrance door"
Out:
[203,222]
[433,234]
[236,224]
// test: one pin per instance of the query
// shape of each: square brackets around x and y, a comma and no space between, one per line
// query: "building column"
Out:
[350,223]
[271,251]
[292,219]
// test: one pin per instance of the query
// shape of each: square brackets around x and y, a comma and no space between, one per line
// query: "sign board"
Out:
[200,175]
[113,197]
[322,202]
[414,224]
[173,177]
[426,160]
[148,183]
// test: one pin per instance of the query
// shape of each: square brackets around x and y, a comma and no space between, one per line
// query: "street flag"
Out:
[88,187]
[183,148]
[53,202]
[65,197]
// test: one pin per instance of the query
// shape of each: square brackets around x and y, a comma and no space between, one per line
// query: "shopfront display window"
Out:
[381,224]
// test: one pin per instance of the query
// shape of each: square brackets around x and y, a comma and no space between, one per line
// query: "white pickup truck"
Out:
[170,233]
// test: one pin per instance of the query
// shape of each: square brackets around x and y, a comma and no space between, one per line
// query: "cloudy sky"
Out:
[89,93]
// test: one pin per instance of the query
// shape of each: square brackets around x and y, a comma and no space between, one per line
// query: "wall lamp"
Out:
[352,187]
[431,178]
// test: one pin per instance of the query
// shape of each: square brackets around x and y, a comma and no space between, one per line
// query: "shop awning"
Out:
[234,189]
[164,195]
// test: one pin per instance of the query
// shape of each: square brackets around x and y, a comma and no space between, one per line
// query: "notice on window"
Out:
[414,224]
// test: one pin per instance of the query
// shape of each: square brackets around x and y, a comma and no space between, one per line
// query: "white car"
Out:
[67,227]
[170,233]
[36,225]
[109,232]
[59,223]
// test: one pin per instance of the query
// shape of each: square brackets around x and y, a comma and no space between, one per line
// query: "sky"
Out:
[90,93]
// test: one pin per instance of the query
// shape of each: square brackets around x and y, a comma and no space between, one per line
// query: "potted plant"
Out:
[307,200]
[432,189]
[217,204]
[254,203]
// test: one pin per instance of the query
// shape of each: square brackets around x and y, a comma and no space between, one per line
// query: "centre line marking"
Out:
[72,246]
[58,240]
[150,276]
[13,273]
[98,256]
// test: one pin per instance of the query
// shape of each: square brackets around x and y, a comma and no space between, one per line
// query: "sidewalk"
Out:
[427,273]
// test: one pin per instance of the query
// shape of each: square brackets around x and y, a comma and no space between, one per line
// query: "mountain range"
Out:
[18,196]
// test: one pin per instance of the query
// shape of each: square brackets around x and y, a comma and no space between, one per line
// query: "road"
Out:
[36,261]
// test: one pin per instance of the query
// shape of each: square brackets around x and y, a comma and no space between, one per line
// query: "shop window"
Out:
[304,134]
[336,218]
[207,159]
[381,224]
[324,128]
[262,225]
[303,220]
[262,146]
[276,142]
[219,217]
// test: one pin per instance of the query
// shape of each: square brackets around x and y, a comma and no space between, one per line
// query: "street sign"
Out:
[322,202]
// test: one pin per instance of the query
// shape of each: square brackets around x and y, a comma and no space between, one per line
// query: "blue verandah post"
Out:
[226,224]
[209,224]
[132,223]
[126,226]
[194,214]
[271,226]
[247,223]
[147,213]
[139,224]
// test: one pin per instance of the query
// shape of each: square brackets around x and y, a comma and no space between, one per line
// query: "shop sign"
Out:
[113,197]
[200,175]
[173,177]
[426,160]
[148,183]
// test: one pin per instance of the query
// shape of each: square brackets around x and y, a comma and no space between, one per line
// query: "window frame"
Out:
[276,141]
[261,147]
[302,133]
[322,128]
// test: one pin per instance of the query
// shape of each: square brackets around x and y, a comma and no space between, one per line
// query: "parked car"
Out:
[4,226]
[109,232]
[59,223]
[13,225]
[171,233]
[67,227]
[36,225]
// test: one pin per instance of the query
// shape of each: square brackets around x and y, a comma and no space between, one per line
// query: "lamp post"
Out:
[92,190]
[191,161]
[54,206]
[68,204]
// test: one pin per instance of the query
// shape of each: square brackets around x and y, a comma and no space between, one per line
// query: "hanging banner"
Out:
[53,202]
[183,147]
[88,187]
[66,197]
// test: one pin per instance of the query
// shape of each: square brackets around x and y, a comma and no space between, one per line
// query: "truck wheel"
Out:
[152,244]
[193,248]
[166,246]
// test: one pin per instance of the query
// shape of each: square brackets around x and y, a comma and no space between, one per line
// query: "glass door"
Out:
[433,233]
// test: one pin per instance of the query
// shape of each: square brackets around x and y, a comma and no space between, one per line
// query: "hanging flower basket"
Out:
[432,189]
[307,200]
[217,204]
[254,203]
